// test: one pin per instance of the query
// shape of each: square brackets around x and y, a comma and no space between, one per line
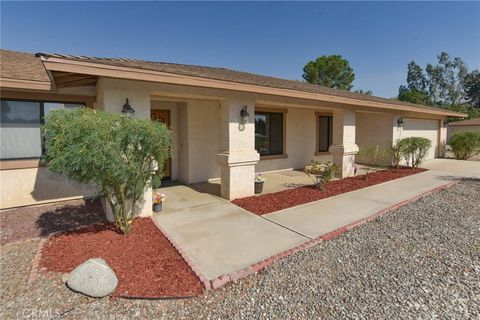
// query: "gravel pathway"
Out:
[420,261]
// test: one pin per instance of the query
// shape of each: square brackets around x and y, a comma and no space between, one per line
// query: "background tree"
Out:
[472,88]
[114,153]
[447,84]
[416,89]
[330,71]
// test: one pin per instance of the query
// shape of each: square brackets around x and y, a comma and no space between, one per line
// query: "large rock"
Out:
[93,278]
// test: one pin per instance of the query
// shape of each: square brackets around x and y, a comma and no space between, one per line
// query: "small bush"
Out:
[414,150]
[111,151]
[397,154]
[465,144]
[374,156]
[321,173]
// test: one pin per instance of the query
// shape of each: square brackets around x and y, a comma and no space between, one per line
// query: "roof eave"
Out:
[8,83]
[129,73]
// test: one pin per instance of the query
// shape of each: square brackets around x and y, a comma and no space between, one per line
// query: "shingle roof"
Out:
[469,122]
[26,66]
[22,66]
[233,76]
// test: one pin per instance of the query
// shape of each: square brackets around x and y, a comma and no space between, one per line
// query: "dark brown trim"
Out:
[317,135]
[47,97]
[19,164]
[283,111]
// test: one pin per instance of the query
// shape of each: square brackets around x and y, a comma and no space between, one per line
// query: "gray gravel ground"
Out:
[420,261]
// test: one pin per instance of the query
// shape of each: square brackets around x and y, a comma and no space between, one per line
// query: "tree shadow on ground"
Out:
[69,217]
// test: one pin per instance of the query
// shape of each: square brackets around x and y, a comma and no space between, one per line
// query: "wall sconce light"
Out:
[128,110]
[400,122]
[244,115]
[445,123]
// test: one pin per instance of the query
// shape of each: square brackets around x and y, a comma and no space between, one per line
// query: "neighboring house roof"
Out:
[469,122]
[16,62]
[23,70]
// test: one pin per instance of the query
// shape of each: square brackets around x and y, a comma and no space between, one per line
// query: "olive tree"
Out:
[115,153]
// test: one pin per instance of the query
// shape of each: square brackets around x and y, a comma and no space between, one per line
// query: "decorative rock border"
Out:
[34,271]
[257,267]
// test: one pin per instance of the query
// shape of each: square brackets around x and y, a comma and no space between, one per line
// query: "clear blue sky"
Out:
[277,39]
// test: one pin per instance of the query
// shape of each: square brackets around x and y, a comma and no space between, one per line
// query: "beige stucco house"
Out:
[460,126]
[289,123]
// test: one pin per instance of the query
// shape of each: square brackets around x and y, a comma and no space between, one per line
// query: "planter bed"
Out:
[276,201]
[145,262]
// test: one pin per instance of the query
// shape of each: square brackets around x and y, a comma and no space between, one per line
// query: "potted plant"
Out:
[259,180]
[158,199]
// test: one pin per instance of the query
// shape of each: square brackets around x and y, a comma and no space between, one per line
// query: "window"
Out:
[269,133]
[20,123]
[325,133]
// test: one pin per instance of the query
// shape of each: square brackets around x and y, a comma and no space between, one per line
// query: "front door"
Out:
[163,116]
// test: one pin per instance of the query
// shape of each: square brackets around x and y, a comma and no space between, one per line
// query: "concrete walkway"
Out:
[217,236]
[220,238]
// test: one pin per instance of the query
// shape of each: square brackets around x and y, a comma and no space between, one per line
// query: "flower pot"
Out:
[259,187]
[157,207]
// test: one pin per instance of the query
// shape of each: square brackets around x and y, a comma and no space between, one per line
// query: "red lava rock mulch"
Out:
[272,202]
[145,262]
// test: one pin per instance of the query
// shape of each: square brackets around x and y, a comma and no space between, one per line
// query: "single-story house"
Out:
[465,125]
[226,124]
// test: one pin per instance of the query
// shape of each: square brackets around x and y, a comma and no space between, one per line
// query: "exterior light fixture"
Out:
[244,115]
[400,122]
[445,123]
[128,110]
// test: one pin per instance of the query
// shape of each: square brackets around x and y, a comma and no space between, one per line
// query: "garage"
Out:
[423,128]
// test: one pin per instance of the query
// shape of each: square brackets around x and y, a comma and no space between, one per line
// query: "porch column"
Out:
[111,95]
[238,157]
[344,148]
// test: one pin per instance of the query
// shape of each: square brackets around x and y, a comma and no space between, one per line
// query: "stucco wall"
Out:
[454,129]
[300,144]
[203,140]
[373,129]
[21,187]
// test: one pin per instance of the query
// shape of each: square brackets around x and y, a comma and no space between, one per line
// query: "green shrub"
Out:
[465,144]
[321,173]
[374,156]
[414,150]
[397,154]
[111,151]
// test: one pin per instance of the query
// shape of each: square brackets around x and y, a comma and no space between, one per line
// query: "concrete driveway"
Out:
[456,168]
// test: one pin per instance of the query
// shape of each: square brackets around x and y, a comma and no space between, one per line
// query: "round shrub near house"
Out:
[115,153]
[414,150]
[465,144]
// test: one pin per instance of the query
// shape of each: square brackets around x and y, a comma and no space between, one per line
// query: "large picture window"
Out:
[20,123]
[269,133]
[325,133]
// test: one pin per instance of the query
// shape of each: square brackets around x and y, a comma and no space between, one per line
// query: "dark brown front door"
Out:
[163,116]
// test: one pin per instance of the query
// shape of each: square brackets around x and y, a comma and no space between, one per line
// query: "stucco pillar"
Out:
[442,139]
[344,148]
[238,157]
[111,95]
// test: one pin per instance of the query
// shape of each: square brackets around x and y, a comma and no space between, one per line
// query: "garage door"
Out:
[423,128]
